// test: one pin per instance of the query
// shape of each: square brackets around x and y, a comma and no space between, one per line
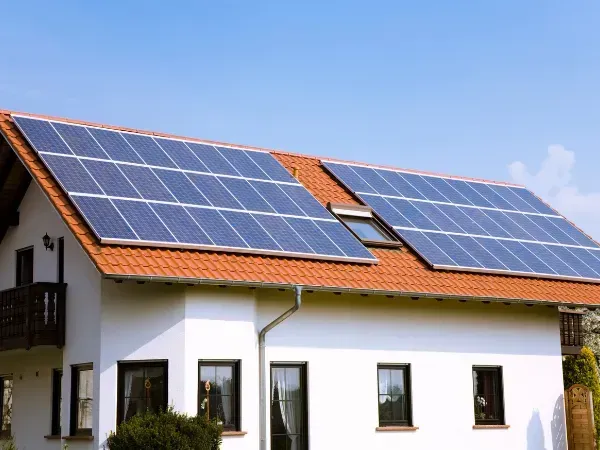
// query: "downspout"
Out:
[262,372]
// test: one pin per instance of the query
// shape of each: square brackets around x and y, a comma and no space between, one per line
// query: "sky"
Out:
[504,90]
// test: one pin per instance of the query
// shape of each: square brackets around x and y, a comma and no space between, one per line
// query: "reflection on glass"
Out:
[85,398]
[143,390]
[220,403]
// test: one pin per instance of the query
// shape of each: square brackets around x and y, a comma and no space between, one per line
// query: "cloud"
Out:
[553,183]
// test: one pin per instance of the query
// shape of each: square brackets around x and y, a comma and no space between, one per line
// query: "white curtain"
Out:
[291,411]
[128,383]
[226,401]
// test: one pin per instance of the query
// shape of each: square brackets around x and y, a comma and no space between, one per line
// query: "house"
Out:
[373,347]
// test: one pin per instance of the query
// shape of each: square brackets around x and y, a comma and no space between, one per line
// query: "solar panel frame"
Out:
[126,158]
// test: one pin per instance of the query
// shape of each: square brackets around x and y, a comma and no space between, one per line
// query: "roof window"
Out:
[361,221]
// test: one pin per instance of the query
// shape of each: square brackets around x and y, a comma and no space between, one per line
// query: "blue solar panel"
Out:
[491,196]
[487,226]
[80,141]
[469,193]
[313,236]
[177,193]
[242,163]
[115,146]
[217,228]
[42,135]
[426,248]
[283,234]
[181,224]
[142,219]
[181,187]
[111,179]
[403,187]
[212,159]
[423,187]
[71,174]
[411,213]
[104,218]
[452,249]
[306,202]
[386,211]
[271,166]
[147,183]
[246,194]
[250,230]
[214,191]
[372,178]
[181,154]
[148,150]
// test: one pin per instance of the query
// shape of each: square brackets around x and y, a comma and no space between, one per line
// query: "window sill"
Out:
[78,438]
[396,428]
[52,436]
[234,433]
[491,427]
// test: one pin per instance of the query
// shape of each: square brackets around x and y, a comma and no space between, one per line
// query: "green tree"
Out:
[583,369]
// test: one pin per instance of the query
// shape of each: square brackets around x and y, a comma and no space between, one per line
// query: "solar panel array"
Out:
[475,226]
[140,189]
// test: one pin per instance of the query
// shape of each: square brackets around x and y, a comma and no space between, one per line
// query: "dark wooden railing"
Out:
[32,315]
[571,331]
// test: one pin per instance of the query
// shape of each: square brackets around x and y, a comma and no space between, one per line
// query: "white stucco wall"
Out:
[343,338]
[37,217]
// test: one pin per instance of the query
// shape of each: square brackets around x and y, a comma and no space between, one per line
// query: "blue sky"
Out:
[471,88]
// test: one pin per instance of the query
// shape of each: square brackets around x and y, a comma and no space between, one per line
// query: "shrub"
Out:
[166,430]
[583,369]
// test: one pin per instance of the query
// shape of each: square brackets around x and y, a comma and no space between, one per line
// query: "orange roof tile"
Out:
[399,272]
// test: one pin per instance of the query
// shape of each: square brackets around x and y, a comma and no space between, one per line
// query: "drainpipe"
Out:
[262,372]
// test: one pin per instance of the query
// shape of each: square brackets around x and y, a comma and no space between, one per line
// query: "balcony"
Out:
[571,332]
[32,315]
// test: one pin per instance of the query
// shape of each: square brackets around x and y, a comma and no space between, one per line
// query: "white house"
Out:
[392,354]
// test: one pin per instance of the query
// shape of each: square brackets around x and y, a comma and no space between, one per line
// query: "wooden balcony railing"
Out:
[571,332]
[32,315]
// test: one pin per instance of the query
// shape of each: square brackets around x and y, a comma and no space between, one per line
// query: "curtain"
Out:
[127,392]
[290,403]
[226,400]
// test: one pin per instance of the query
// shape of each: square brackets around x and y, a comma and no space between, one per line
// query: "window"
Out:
[142,387]
[487,395]
[289,412]
[56,401]
[6,407]
[361,221]
[61,260]
[223,399]
[394,395]
[25,266]
[82,400]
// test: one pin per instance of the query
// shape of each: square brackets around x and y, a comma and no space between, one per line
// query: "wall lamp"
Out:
[48,244]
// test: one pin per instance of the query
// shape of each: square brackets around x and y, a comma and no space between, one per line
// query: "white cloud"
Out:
[553,183]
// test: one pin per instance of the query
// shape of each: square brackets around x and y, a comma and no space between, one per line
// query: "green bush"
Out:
[166,430]
[583,369]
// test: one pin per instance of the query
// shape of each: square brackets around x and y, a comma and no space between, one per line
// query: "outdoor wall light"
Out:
[48,244]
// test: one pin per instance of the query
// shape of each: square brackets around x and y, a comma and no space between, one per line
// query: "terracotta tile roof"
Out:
[399,272]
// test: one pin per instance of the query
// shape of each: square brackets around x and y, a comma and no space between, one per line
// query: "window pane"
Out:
[365,228]
[7,403]
[222,398]
[397,381]
[487,395]
[85,398]
[385,381]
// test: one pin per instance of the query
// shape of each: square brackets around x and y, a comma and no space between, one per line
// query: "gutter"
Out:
[262,370]
[339,290]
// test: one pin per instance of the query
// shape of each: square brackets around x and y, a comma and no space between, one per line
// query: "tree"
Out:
[583,369]
[591,331]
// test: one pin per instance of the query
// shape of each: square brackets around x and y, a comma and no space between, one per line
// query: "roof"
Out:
[399,271]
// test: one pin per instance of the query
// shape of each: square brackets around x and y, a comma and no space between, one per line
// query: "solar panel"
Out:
[139,189]
[457,224]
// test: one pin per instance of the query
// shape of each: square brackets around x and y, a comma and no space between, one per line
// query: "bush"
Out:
[583,369]
[166,430]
